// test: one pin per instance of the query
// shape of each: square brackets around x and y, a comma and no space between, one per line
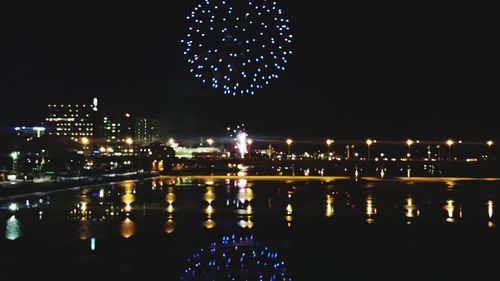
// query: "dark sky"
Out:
[358,71]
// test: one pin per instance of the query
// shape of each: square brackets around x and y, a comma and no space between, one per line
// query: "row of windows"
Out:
[68,105]
[73,129]
[75,124]
[73,134]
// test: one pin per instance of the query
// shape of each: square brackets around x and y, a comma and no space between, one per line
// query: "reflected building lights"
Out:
[246,223]
[371,211]
[329,206]
[170,225]
[170,198]
[411,209]
[490,214]
[13,228]
[127,228]
[84,229]
[128,197]
[245,194]
[490,209]
[450,208]
[209,224]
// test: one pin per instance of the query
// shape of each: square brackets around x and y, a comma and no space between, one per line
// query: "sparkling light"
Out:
[237,47]
[241,143]
[236,258]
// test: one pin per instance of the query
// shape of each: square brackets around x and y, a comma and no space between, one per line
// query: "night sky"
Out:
[357,71]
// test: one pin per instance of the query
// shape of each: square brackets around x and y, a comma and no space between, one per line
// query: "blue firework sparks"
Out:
[237,46]
[236,258]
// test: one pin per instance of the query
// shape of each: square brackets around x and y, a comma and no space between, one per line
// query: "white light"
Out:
[13,207]
[14,155]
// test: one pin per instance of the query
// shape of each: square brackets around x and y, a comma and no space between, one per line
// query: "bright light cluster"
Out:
[241,144]
[237,46]
[236,258]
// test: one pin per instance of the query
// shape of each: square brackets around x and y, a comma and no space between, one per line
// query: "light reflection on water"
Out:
[240,203]
[13,228]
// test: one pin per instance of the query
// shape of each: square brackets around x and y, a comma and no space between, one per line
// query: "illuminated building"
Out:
[146,130]
[72,121]
[30,132]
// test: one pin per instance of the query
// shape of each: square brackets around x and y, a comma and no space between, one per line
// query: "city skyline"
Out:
[424,76]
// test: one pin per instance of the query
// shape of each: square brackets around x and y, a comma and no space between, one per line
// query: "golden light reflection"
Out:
[246,223]
[83,229]
[249,210]
[329,206]
[209,195]
[289,219]
[245,194]
[209,224]
[170,208]
[450,208]
[128,196]
[490,214]
[371,211]
[289,209]
[490,209]
[209,211]
[83,207]
[169,226]
[127,228]
[170,198]
[411,208]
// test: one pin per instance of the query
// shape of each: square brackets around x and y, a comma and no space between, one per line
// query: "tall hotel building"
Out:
[72,121]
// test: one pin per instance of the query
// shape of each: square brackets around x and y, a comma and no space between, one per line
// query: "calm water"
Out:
[180,228]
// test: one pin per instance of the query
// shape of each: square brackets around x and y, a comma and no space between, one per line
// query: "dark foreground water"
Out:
[203,230]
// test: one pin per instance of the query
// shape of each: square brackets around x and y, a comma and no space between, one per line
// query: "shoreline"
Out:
[43,189]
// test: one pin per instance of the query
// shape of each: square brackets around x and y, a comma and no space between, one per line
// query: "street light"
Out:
[409,143]
[328,143]
[289,142]
[489,143]
[449,143]
[85,141]
[369,142]
[15,156]
[129,141]
[171,142]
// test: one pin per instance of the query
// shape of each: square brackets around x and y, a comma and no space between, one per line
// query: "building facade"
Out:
[72,121]
[146,130]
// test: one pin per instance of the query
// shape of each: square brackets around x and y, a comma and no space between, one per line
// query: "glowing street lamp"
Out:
[409,143]
[369,142]
[328,143]
[129,141]
[489,143]
[289,142]
[171,142]
[14,155]
[85,141]
[449,143]
[249,141]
